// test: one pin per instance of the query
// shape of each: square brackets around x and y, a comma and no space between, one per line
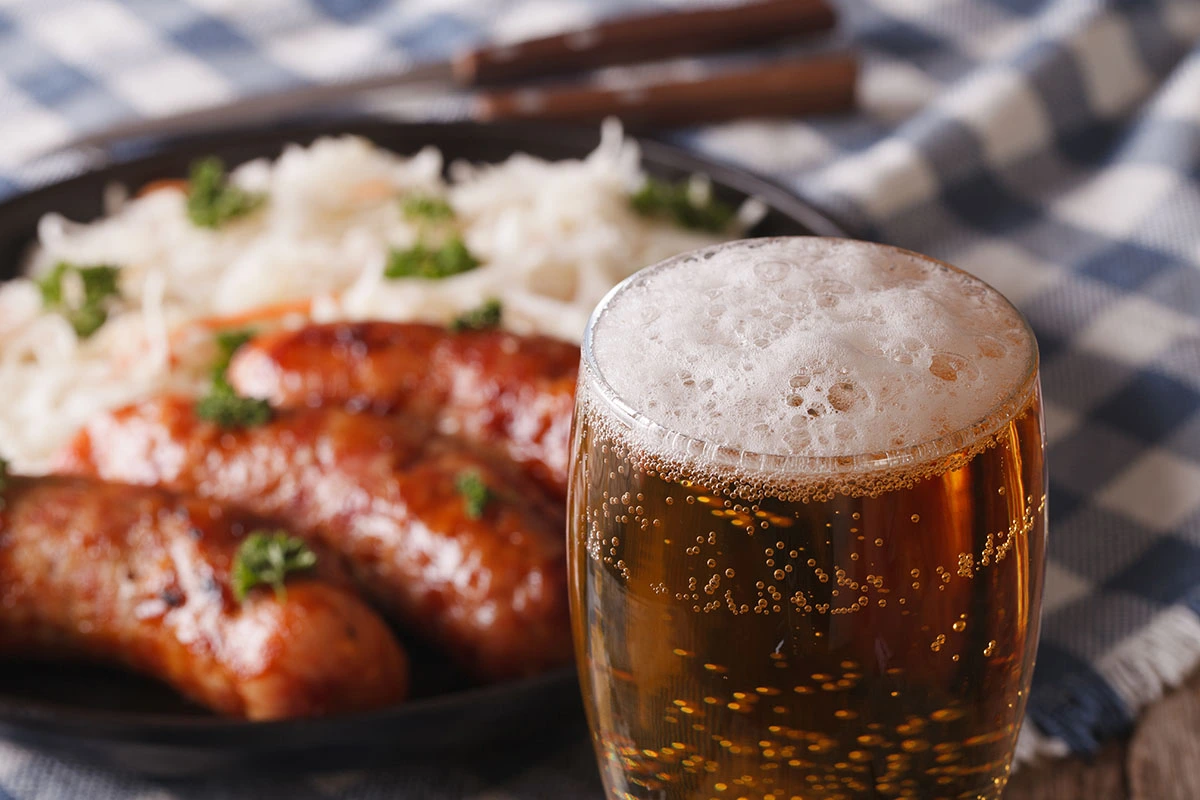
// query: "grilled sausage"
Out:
[383,491]
[138,576]
[516,392]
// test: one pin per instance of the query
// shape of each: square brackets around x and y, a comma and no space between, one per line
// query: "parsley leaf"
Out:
[51,286]
[478,319]
[265,558]
[419,261]
[222,404]
[3,477]
[99,283]
[88,320]
[228,409]
[674,201]
[427,207]
[212,200]
[228,343]
[475,493]
[99,289]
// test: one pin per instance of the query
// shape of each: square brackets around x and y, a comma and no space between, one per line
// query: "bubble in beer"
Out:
[843,333]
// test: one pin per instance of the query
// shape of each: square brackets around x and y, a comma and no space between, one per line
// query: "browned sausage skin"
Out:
[515,392]
[139,576]
[383,491]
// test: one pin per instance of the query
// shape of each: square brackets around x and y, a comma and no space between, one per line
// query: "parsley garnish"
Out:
[478,319]
[228,409]
[475,493]
[223,405]
[228,343]
[3,479]
[265,558]
[212,200]
[674,201]
[99,289]
[420,261]
[427,207]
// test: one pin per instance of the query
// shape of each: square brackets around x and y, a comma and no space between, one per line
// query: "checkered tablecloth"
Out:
[1050,146]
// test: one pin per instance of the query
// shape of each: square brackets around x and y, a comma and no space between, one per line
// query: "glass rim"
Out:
[683,445]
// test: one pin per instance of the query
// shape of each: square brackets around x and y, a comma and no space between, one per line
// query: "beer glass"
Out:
[806,526]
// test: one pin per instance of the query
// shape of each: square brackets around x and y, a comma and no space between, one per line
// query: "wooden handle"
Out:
[644,38]
[810,86]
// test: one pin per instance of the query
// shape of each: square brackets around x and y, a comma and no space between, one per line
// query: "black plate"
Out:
[112,719]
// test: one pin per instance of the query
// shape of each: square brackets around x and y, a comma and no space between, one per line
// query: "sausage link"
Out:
[490,386]
[138,576]
[384,492]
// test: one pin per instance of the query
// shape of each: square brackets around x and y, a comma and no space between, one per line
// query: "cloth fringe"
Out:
[1140,670]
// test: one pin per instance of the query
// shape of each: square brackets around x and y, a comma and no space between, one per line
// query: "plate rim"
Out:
[90,723]
[128,153]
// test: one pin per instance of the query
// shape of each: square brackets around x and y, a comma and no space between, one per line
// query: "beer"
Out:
[807,524]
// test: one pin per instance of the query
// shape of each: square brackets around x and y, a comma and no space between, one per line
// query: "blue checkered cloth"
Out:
[1050,146]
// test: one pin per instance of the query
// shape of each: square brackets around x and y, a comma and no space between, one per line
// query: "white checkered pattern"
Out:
[1050,146]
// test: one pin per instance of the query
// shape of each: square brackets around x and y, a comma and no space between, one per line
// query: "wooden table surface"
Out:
[1161,761]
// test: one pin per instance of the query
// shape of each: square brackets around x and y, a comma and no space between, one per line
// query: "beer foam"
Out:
[810,347]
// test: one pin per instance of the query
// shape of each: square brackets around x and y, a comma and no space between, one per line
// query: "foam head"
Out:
[810,347]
